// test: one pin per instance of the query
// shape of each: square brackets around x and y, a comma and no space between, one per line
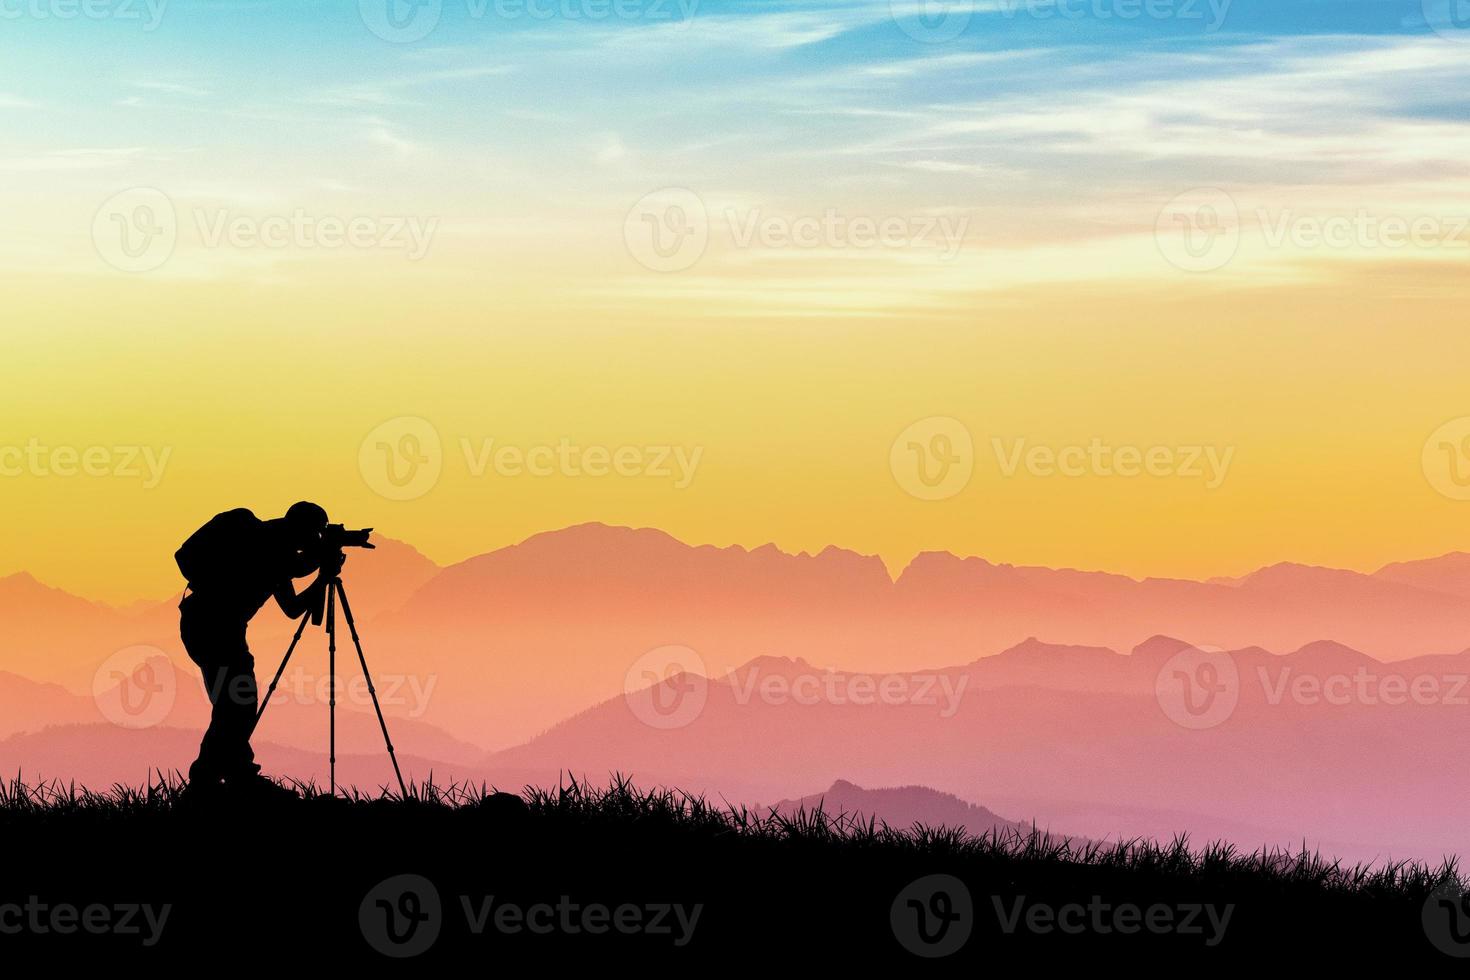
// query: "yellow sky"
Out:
[1160,252]
[1322,396]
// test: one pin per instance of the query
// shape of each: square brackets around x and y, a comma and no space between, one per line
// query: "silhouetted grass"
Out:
[578,804]
[619,843]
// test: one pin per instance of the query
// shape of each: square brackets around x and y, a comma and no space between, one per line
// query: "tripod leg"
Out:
[361,659]
[332,685]
[279,671]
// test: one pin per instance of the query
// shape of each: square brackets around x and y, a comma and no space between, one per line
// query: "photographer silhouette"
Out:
[234,563]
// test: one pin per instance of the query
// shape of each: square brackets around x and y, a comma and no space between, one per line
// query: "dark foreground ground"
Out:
[621,876]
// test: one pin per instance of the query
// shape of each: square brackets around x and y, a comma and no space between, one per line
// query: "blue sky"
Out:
[1044,123]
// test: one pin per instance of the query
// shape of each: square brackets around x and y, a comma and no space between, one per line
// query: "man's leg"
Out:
[208,768]
[237,719]
[229,680]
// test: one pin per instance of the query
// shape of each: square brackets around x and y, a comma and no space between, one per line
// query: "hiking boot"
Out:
[202,791]
[257,787]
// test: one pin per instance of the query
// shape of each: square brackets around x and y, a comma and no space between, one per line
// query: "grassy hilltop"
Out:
[579,873]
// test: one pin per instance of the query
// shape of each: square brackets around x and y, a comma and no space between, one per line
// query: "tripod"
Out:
[335,594]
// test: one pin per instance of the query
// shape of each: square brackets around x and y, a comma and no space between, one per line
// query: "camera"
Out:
[336,537]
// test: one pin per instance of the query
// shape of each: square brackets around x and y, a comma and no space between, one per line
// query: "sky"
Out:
[1162,287]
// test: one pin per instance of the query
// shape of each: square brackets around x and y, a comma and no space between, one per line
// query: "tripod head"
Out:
[330,552]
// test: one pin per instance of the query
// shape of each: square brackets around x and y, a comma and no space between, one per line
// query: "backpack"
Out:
[210,554]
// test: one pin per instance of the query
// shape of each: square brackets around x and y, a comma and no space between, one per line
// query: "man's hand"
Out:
[332,565]
[314,597]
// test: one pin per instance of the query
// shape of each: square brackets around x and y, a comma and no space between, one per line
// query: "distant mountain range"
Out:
[1324,745]
[517,639]
[901,808]
[1046,691]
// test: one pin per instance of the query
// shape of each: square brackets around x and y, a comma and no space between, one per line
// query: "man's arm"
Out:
[297,604]
[310,599]
[302,565]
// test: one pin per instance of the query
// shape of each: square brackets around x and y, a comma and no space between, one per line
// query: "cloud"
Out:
[62,161]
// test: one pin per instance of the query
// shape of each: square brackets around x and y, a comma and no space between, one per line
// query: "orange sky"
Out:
[1158,298]
[785,427]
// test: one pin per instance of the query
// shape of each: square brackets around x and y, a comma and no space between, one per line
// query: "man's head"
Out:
[305,522]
